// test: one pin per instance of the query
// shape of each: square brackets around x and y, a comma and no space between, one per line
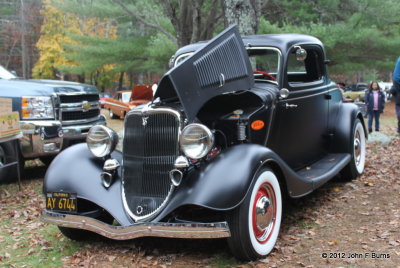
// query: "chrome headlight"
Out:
[101,140]
[196,141]
[38,107]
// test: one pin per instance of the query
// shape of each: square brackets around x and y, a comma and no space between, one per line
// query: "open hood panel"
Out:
[220,67]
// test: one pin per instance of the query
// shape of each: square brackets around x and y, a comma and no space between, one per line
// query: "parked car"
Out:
[356,91]
[103,98]
[235,126]
[53,114]
[385,87]
[123,101]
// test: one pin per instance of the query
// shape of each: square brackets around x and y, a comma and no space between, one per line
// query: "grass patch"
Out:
[24,240]
[307,224]
[224,260]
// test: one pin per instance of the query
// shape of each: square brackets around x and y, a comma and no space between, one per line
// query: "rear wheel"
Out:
[358,150]
[255,224]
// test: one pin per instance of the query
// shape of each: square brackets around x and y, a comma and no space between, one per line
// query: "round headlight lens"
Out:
[101,140]
[196,141]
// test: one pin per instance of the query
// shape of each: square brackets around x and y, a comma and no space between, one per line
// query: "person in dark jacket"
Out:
[395,91]
[375,102]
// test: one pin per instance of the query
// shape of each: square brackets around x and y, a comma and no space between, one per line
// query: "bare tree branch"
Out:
[134,14]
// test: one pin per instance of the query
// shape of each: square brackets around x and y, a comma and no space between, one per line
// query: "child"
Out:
[375,102]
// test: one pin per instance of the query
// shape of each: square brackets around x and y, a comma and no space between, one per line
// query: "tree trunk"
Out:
[193,21]
[245,13]
[121,79]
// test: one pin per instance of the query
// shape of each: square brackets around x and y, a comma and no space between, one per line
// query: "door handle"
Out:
[288,106]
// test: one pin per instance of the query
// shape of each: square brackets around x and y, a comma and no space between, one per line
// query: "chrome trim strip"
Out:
[118,105]
[167,230]
[67,106]
[79,109]
[308,96]
[147,109]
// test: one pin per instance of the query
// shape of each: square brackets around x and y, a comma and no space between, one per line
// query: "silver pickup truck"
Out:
[53,114]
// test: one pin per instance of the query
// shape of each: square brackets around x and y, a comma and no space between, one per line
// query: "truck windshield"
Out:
[4,74]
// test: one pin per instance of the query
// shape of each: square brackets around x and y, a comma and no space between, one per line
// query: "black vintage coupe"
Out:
[235,125]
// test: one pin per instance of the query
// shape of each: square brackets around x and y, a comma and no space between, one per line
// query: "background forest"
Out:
[118,43]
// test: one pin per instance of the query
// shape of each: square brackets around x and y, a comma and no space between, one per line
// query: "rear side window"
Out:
[310,70]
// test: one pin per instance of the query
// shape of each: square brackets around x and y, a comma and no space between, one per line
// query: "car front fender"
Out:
[76,170]
[223,183]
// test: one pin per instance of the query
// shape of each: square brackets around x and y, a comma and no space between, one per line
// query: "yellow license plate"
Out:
[60,201]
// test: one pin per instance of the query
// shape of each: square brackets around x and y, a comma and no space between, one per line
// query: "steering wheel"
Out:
[265,74]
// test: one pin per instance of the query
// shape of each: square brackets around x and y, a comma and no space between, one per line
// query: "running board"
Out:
[325,169]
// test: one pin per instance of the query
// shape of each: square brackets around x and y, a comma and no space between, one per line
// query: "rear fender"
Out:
[76,170]
[344,127]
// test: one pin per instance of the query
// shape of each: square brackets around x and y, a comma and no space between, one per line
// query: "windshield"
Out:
[4,74]
[126,96]
[264,62]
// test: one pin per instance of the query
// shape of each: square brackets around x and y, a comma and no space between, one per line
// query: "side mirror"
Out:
[301,53]
[284,93]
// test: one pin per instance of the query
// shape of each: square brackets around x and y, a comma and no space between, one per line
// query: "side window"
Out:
[305,71]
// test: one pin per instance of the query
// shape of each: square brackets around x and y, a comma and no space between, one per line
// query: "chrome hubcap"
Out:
[357,148]
[264,213]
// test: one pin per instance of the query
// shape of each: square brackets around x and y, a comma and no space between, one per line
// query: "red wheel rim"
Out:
[264,213]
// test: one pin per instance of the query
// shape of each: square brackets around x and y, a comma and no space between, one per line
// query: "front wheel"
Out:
[358,151]
[112,115]
[255,224]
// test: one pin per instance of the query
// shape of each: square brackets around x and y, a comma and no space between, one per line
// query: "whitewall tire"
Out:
[255,223]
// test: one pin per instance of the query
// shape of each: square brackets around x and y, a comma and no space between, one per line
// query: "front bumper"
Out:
[167,230]
[49,137]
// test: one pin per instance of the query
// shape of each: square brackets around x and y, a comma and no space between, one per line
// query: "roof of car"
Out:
[280,41]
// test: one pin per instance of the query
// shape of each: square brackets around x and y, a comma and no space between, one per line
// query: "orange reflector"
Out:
[257,125]
[25,113]
[24,102]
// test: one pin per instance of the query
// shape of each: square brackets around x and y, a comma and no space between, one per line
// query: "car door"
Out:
[301,119]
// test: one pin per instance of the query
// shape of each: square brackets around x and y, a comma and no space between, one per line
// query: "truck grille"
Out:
[80,115]
[78,108]
[150,148]
[78,98]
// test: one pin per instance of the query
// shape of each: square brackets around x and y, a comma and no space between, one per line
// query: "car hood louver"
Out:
[220,67]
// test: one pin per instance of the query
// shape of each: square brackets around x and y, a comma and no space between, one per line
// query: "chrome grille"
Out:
[150,148]
[78,108]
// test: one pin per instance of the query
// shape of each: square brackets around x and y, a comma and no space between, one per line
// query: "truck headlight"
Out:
[196,141]
[101,140]
[38,107]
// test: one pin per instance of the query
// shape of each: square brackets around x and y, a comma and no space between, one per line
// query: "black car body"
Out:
[53,114]
[217,148]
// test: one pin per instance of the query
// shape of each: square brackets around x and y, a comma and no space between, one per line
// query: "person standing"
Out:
[395,91]
[375,102]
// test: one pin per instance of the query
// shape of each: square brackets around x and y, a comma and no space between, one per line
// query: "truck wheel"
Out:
[112,115]
[358,148]
[255,224]
[6,149]
[47,160]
